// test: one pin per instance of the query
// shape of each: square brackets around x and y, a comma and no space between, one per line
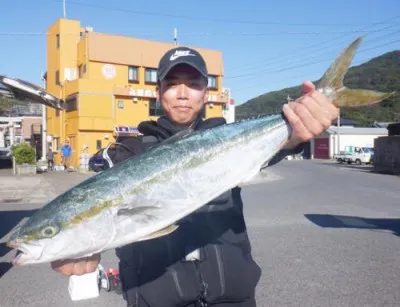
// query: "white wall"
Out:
[351,140]
[229,113]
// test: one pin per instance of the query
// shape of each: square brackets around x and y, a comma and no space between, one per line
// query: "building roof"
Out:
[141,52]
[346,122]
[357,131]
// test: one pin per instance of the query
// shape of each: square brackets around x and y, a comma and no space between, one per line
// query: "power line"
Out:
[281,33]
[307,64]
[206,34]
[297,59]
[139,12]
[328,41]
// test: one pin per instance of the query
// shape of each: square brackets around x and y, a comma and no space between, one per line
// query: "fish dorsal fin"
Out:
[333,77]
[163,232]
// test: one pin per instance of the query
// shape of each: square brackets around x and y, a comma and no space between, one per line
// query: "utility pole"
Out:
[175,36]
[338,131]
[64,9]
[44,125]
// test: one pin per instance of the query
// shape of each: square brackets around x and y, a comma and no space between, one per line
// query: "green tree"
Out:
[23,153]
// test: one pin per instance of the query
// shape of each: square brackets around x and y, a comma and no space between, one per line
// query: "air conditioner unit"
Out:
[70,74]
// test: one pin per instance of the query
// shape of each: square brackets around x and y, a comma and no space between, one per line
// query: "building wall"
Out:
[351,140]
[95,87]
[344,140]
[213,111]
[387,154]
[26,126]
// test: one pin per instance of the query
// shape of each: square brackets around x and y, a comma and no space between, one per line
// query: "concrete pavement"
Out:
[323,234]
[36,188]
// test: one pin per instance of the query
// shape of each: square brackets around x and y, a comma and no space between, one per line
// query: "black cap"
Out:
[181,55]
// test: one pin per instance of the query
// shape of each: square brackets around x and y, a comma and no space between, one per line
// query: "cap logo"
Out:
[179,53]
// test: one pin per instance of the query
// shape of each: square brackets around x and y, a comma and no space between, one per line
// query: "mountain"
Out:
[381,73]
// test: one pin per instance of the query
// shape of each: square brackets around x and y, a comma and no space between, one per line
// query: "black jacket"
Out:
[157,273]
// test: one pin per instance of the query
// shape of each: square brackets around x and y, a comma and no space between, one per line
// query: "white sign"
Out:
[132,92]
[142,92]
[109,71]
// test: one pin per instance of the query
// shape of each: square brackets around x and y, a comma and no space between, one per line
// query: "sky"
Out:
[266,45]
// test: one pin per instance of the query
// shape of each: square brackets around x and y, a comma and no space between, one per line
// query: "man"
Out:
[207,261]
[50,158]
[66,151]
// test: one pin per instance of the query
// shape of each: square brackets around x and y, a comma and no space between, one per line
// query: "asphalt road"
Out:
[323,234]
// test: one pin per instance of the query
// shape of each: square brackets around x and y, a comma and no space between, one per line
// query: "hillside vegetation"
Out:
[381,73]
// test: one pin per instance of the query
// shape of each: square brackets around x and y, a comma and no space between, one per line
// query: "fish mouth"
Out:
[26,253]
[18,259]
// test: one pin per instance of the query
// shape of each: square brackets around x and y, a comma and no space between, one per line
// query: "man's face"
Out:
[183,93]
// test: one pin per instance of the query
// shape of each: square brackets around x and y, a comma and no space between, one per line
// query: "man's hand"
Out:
[309,116]
[76,266]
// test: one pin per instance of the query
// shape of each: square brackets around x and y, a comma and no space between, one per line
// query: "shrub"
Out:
[24,153]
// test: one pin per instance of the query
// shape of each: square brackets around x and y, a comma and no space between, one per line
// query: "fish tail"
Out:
[332,82]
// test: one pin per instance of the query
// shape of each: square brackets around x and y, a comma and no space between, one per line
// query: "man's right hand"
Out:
[78,267]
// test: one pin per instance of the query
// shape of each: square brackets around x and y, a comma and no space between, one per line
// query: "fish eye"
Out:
[49,231]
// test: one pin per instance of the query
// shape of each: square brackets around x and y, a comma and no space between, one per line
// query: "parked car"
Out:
[5,154]
[357,155]
[101,160]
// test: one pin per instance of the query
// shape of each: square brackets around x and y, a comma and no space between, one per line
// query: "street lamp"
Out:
[44,125]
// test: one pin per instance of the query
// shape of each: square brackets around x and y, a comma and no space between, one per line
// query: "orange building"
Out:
[108,83]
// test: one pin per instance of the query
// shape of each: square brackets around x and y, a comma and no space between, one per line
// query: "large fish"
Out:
[144,196]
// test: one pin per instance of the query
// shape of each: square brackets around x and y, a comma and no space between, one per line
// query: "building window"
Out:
[155,108]
[58,41]
[133,74]
[98,145]
[58,77]
[82,70]
[151,75]
[56,146]
[120,104]
[212,82]
[72,104]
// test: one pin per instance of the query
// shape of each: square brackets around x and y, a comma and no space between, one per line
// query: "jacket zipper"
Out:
[220,269]
[201,301]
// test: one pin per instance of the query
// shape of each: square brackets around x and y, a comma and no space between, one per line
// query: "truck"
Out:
[355,154]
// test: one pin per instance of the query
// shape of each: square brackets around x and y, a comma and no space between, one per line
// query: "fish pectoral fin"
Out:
[163,232]
[359,97]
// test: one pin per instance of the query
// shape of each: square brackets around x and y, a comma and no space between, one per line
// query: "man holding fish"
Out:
[171,205]
[207,260]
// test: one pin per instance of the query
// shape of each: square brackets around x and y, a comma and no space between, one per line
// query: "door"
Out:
[321,148]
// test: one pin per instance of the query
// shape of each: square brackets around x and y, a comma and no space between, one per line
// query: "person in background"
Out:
[50,158]
[66,152]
